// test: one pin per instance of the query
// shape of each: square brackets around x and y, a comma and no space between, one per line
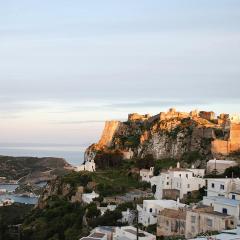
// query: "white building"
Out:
[147,174]
[128,216]
[6,202]
[96,236]
[219,165]
[107,230]
[87,166]
[223,194]
[148,212]
[182,181]
[227,187]
[130,233]
[224,205]
[233,234]
[88,197]
[109,207]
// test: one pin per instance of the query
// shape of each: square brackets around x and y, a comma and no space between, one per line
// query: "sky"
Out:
[67,66]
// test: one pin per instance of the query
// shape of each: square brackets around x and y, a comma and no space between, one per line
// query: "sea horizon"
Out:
[72,153]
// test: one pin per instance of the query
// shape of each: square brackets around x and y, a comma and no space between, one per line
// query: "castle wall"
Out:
[231,145]
[220,147]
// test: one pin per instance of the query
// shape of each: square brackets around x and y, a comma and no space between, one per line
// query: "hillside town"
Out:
[120,195]
[215,216]
[180,202]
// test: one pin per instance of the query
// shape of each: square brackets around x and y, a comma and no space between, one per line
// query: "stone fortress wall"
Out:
[228,122]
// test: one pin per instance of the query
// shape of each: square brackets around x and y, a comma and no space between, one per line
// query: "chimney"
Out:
[178,165]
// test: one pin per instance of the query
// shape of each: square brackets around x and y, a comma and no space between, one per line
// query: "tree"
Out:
[232,172]
[92,211]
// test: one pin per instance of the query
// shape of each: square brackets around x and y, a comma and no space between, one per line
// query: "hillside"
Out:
[31,169]
[176,135]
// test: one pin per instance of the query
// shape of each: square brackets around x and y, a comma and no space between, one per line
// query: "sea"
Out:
[73,154]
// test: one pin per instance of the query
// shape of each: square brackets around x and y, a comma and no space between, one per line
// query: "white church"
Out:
[89,166]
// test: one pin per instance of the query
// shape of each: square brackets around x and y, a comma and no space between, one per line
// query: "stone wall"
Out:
[138,117]
[207,115]
[172,194]
[225,147]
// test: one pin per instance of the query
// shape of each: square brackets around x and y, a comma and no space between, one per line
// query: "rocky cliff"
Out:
[169,134]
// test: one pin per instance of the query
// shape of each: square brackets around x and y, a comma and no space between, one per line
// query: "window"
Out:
[224,210]
[193,219]
[213,185]
[209,222]
[150,210]
[222,187]
[179,175]
[167,183]
[193,229]
[233,197]
[188,186]
[186,175]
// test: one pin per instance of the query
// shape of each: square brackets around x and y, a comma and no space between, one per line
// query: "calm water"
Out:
[19,199]
[73,154]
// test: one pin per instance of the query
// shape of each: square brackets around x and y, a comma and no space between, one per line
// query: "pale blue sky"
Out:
[66,66]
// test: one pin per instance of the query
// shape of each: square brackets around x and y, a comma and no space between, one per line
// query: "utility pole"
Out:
[137,224]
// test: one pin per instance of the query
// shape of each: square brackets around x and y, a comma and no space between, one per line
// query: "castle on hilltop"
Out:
[222,119]
[229,123]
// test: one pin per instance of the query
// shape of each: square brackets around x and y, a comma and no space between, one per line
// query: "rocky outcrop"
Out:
[109,130]
[58,187]
[169,134]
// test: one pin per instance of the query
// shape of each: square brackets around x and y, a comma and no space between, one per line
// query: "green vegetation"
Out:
[163,164]
[108,159]
[14,168]
[229,172]
[174,132]
[77,178]
[232,172]
[145,162]
[191,157]
[92,211]
[195,196]
[12,215]
[60,220]
[114,181]
[111,218]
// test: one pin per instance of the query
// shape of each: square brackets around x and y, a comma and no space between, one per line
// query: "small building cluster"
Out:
[119,233]
[166,210]
[89,166]
[177,182]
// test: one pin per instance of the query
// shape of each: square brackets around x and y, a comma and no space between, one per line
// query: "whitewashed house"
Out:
[219,166]
[130,233]
[150,209]
[128,216]
[109,207]
[223,194]
[147,174]
[224,205]
[88,197]
[227,187]
[178,181]
[89,166]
